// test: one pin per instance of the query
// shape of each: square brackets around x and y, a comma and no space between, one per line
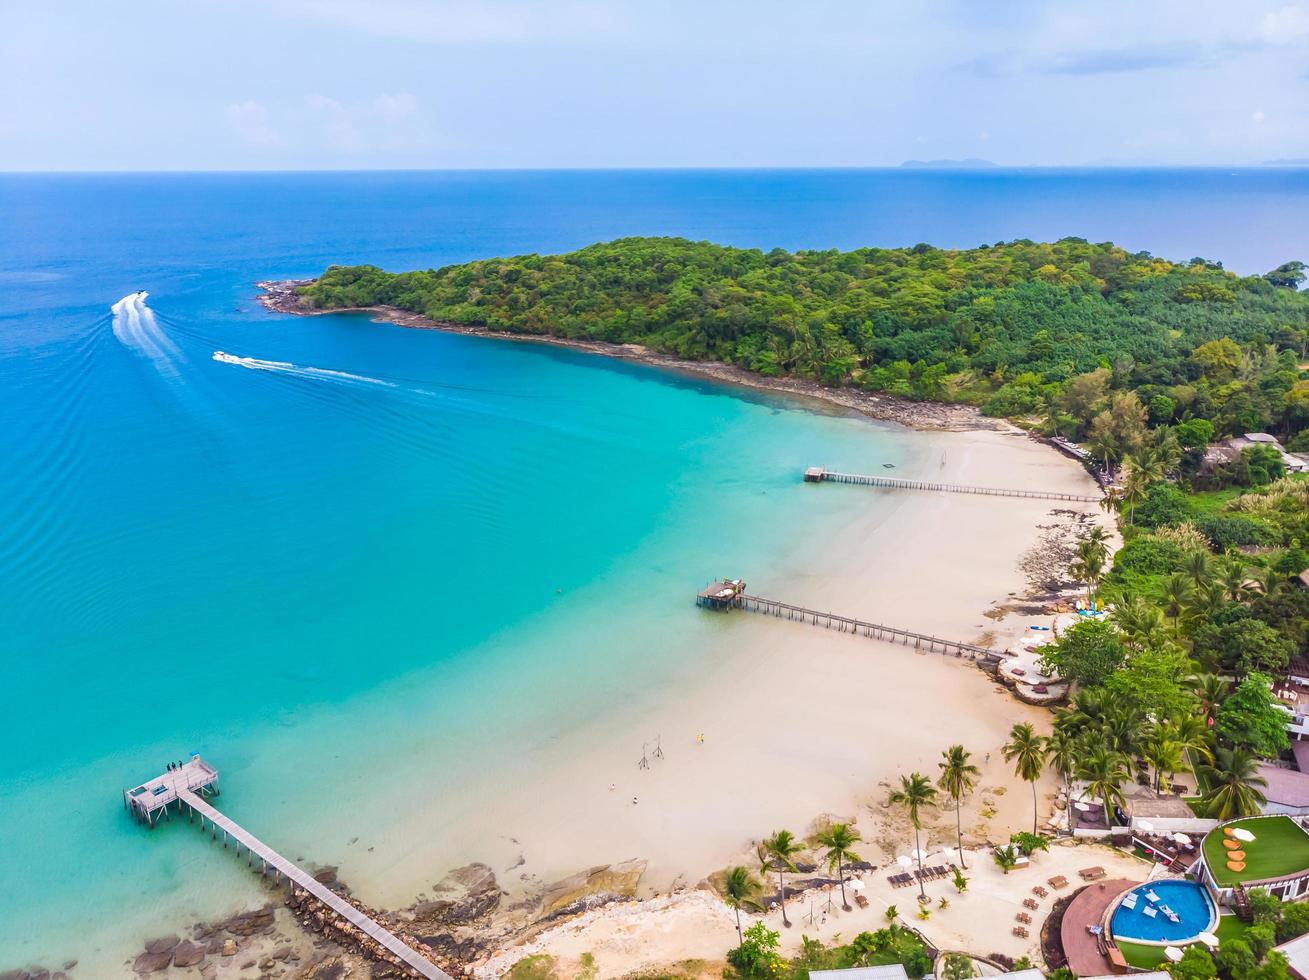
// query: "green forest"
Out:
[1046,330]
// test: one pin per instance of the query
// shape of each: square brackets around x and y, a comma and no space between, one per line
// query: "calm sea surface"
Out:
[381,556]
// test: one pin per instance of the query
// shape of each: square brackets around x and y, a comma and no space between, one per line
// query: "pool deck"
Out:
[1088,909]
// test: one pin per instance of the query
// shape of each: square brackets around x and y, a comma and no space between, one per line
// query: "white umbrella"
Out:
[855,885]
[1241,834]
[1181,839]
[919,855]
[1145,825]
[904,860]
[1173,953]
[1209,939]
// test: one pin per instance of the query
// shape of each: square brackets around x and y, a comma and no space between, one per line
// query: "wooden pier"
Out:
[817,474]
[859,627]
[188,784]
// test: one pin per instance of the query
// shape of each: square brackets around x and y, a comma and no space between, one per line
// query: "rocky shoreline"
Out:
[283,297]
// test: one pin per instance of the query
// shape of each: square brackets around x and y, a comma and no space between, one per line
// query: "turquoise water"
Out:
[1191,902]
[346,589]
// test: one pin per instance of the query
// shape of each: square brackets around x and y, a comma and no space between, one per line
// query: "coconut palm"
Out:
[1062,753]
[915,793]
[1140,622]
[1089,565]
[1177,590]
[1233,785]
[957,779]
[1163,754]
[778,853]
[1105,771]
[1026,750]
[1209,690]
[839,839]
[1135,487]
[1234,575]
[740,887]
[1193,734]
[1197,567]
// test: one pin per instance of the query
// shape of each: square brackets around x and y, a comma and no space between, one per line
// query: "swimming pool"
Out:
[1194,911]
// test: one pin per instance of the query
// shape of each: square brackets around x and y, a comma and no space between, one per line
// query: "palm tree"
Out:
[1234,575]
[1192,734]
[1026,750]
[1163,754]
[779,853]
[1063,751]
[1089,566]
[1140,622]
[740,888]
[1105,771]
[1233,785]
[839,839]
[958,777]
[1135,487]
[915,792]
[1177,590]
[1209,690]
[1196,566]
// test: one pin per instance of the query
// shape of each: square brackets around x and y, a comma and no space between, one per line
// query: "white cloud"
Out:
[1286,26]
[250,120]
[1257,115]
[387,118]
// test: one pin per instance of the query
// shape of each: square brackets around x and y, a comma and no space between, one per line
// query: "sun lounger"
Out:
[861,901]
[1150,911]
[1129,900]
[1152,896]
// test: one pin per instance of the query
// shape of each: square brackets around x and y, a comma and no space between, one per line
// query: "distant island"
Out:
[968,163]
[1016,329]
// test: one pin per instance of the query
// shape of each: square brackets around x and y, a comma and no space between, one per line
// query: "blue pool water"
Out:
[1195,913]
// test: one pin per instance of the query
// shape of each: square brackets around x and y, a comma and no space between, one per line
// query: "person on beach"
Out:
[633,801]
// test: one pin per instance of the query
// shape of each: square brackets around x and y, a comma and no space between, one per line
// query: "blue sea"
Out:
[366,566]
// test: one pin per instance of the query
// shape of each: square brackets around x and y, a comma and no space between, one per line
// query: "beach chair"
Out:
[861,901]
[1129,901]
[1150,911]
[1031,903]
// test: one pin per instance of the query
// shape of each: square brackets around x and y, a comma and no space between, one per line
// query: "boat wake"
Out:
[321,374]
[135,326]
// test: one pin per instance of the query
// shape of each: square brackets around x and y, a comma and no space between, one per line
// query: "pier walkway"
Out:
[739,599]
[817,474]
[185,785]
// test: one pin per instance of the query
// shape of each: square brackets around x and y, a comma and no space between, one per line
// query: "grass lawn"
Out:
[1147,957]
[1209,502]
[1279,848]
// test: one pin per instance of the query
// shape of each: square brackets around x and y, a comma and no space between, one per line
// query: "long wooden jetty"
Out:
[817,474]
[730,594]
[188,783]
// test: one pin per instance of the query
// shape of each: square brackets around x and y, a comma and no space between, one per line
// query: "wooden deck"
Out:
[187,785]
[817,474]
[150,801]
[859,627]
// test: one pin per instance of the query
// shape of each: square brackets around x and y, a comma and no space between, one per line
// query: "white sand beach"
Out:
[796,721]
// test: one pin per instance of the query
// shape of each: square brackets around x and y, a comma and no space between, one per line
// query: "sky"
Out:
[364,84]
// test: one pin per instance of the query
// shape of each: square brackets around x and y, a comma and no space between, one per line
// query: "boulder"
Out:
[161,945]
[462,896]
[149,962]
[617,880]
[188,954]
[229,947]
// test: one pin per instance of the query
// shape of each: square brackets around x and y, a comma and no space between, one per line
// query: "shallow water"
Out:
[399,557]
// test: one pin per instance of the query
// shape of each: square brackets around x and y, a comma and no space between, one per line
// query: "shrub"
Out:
[1164,504]
[1235,530]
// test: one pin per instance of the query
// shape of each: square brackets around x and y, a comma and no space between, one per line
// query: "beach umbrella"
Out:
[1172,953]
[1181,839]
[904,860]
[1209,939]
[855,885]
[1240,833]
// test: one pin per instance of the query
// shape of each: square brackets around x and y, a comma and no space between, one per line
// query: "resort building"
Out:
[1229,450]
[893,971]
[1269,852]
[1287,791]
[1296,952]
